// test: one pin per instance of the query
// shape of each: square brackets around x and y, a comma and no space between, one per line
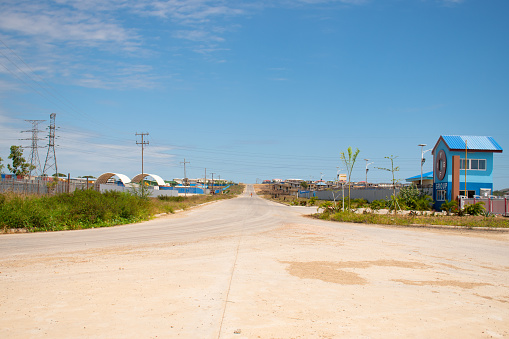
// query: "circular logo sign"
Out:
[440,165]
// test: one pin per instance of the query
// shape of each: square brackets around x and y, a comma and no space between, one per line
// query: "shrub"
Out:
[378,204]
[423,203]
[475,209]
[410,197]
[358,203]
[329,207]
[449,206]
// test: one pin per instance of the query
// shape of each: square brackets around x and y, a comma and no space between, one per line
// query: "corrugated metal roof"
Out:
[427,175]
[474,143]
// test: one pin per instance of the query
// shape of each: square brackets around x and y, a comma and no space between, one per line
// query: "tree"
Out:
[1,165]
[349,163]
[19,165]
[304,184]
[394,181]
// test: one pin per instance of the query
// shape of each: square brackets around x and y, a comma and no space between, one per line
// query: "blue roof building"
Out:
[453,155]
[426,178]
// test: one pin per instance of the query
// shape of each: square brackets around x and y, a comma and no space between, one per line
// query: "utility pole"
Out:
[366,183]
[466,166]
[185,162]
[423,160]
[142,143]
[51,158]
[213,183]
[35,163]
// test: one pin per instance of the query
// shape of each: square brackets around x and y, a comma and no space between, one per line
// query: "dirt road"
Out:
[249,268]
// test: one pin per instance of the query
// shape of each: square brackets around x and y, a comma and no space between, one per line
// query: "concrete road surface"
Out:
[249,268]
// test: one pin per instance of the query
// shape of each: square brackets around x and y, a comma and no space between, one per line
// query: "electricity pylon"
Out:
[35,163]
[51,158]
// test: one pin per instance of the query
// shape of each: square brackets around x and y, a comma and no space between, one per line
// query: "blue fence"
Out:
[192,189]
[188,190]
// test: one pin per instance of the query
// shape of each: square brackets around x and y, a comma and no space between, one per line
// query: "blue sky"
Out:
[254,89]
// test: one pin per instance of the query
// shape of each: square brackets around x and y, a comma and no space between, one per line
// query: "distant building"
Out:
[453,155]
[427,179]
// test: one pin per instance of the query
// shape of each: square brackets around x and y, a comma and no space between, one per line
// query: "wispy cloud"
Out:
[452,2]
[190,12]
[63,23]
[120,77]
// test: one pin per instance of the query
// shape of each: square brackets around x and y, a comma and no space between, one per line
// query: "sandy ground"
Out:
[298,278]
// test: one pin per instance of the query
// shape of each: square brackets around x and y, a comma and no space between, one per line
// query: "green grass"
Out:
[405,220]
[89,209]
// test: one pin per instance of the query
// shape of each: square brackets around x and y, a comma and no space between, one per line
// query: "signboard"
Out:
[342,177]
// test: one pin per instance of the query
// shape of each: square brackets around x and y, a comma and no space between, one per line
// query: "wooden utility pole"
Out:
[142,143]
[185,162]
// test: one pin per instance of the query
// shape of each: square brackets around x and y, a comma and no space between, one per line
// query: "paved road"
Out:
[244,214]
[249,268]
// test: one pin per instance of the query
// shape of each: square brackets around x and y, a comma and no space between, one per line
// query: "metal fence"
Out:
[40,186]
[492,204]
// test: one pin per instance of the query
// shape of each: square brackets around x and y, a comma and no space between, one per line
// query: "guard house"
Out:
[453,155]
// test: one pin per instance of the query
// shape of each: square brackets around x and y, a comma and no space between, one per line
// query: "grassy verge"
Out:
[293,201]
[405,220]
[89,209]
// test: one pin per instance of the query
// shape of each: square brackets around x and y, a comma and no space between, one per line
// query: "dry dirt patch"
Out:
[334,271]
[451,283]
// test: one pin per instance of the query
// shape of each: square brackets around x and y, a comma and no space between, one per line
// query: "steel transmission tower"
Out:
[51,159]
[35,163]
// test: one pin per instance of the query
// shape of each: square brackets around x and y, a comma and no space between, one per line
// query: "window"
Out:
[441,195]
[473,164]
[482,164]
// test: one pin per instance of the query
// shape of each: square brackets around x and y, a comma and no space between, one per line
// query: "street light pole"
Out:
[422,158]
[366,183]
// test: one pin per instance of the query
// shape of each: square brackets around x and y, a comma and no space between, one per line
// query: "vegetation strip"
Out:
[410,199]
[416,220]
[89,209]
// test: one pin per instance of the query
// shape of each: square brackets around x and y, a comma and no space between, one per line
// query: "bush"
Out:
[358,203]
[329,207]
[378,204]
[475,209]
[411,198]
[423,203]
[449,206]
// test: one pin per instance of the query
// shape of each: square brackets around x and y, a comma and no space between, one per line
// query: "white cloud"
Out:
[65,24]
[72,41]
[197,35]
[189,11]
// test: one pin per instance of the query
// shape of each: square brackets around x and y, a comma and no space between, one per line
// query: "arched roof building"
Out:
[103,179]
[158,179]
